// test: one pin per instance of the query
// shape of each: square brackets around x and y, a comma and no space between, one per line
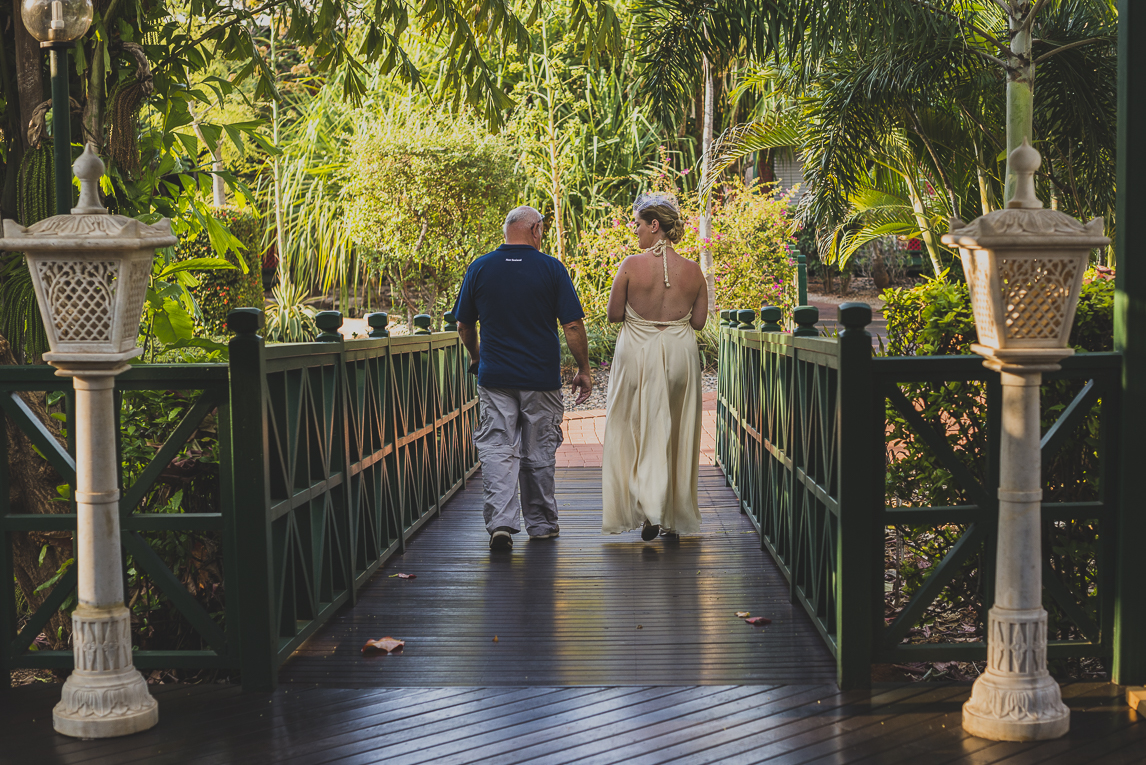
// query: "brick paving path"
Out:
[585,433]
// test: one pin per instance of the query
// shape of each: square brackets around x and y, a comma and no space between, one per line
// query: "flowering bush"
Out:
[751,244]
[220,291]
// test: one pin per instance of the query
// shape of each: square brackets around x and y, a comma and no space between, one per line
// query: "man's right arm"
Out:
[469,335]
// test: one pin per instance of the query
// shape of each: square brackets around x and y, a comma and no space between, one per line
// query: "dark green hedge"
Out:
[220,291]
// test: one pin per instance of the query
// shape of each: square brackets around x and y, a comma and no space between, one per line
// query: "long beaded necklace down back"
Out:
[660,250]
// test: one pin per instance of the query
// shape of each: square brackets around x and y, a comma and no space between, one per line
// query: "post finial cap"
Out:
[1024,161]
[89,168]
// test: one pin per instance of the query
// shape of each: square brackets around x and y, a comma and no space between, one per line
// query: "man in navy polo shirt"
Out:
[519,295]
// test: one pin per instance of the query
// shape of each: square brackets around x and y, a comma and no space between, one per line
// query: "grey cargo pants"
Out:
[517,438]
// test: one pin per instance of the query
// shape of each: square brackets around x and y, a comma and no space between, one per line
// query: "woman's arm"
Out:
[618,295]
[700,305]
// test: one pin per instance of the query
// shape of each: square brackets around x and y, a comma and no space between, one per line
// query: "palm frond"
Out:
[740,140]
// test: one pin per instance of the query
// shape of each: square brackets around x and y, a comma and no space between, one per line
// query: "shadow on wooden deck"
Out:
[694,725]
[582,609]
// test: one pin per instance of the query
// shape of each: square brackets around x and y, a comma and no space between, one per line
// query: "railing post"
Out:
[801,278]
[805,317]
[1129,665]
[770,315]
[250,452]
[328,323]
[859,540]
[377,323]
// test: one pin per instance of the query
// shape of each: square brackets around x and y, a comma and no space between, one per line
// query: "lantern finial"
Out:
[1024,161]
[89,169]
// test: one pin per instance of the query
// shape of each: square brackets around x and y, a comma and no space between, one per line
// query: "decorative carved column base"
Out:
[1016,699]
[104,696]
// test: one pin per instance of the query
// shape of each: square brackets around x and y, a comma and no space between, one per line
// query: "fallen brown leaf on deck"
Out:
[495,638]
[404,576]
[758,620]
[386,644]
[743,614]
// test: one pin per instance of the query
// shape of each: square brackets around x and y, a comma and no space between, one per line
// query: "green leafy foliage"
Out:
[220,289]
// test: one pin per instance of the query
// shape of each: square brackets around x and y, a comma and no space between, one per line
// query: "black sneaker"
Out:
[500,540]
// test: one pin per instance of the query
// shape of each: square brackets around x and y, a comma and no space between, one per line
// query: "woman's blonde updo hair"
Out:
[664,209]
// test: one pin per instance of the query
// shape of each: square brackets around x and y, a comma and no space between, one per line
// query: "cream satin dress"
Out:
[652,428]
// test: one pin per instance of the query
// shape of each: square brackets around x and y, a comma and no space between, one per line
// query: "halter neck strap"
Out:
[660,250]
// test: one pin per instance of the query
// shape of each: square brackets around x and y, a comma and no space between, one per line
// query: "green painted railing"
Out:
[803,437]
[332,454]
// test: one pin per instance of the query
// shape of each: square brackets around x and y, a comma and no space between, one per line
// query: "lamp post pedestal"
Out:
[104,696]
[1016,699]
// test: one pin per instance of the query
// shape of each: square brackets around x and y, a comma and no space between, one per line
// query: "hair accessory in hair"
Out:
[656,198]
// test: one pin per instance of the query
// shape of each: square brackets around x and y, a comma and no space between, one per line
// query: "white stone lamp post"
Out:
[91,272]
[1024,266]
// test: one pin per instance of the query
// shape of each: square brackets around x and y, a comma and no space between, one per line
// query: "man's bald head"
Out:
[523,226]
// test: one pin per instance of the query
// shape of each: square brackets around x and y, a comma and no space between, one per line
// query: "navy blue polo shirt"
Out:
[519,296]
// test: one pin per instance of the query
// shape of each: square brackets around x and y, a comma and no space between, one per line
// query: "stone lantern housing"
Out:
[1024,266]
[90,270]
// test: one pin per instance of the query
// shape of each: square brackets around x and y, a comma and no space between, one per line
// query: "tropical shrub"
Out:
[422,200]
[221,290]
[289,316]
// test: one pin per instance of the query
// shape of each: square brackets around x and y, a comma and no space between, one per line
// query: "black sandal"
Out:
[650,531]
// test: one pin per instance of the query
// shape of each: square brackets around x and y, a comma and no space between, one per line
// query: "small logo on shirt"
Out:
[513,260]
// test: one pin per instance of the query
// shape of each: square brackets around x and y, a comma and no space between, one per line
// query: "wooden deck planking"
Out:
[583,609]
[218,725]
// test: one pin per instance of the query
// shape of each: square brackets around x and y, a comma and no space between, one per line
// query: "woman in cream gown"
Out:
[652,420]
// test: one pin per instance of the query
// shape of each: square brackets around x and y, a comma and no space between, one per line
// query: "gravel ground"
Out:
[597,399]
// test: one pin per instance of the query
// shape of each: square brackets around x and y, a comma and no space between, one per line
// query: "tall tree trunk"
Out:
[921,220]
[984,181]
[280,244]
[218,187]
[1020,87]
[95,109]
[32,490]
[29,73]
[556,187]
[705,229]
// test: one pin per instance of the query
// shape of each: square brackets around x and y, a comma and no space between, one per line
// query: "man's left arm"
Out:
[578,342]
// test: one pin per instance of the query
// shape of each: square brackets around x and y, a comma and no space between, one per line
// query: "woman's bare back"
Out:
[640,282]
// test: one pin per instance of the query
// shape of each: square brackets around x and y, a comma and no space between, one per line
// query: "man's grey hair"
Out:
[523,214]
